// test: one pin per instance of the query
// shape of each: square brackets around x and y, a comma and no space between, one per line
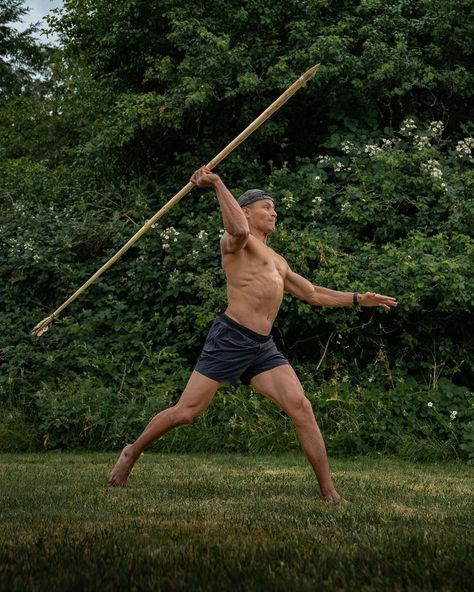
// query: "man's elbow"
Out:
[315,299]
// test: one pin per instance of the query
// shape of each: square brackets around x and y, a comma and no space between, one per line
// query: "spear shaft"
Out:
[43,326]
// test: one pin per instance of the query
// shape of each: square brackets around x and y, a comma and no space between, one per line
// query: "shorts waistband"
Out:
[245,330]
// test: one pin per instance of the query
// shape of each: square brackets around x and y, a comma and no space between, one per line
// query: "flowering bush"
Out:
[370,166]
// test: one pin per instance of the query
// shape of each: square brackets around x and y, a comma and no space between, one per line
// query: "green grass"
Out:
[233,522]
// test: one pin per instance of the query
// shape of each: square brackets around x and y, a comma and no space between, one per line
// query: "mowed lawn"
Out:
[233,522]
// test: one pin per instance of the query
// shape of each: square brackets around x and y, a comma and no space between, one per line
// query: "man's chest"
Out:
[265,260]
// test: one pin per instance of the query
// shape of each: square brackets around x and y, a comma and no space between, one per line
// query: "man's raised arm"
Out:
[304,290]
[235,222]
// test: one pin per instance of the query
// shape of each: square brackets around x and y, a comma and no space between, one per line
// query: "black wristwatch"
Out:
[355,299]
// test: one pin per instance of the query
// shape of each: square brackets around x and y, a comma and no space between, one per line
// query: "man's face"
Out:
[261,215]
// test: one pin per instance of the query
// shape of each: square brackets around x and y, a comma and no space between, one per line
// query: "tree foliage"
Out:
[370,165]
[22,58]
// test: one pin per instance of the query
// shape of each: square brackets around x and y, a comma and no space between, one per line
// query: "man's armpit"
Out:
[232,244]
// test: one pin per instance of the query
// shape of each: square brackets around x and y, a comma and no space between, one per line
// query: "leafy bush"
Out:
[371,169]
[408,421]
[18,432]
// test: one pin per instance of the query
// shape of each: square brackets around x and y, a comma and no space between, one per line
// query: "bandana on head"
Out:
[251,196]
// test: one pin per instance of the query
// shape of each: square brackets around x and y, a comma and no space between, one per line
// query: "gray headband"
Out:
[251,196]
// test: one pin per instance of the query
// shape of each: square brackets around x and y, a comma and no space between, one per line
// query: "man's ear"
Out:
[246,212]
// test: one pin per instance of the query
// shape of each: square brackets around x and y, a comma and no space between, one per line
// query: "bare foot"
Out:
[119,474]
[333,496]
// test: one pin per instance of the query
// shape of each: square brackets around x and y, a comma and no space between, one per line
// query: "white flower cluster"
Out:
[421,142]
[436,128]
[317,200]
[169,235]
[175,275]
[430,404]
[407,127]
[15,246]
[288,199]
[20,208]
[202,236]
[345,205]
[432,166]
[347,146]
[338,167]
[317,178]
[324,158]
[372,149]
[26,248]
[464,147]
[453,415]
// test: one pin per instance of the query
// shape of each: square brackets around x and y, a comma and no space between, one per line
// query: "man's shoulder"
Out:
[278,256]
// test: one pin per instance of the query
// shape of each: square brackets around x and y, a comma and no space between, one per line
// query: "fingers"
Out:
[388,303]
[373,299]
[199,174]
[382,299]
[196,177]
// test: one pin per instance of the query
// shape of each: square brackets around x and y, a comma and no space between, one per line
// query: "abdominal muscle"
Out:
[254,290]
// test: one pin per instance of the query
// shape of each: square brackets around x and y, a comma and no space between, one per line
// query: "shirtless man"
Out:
[239,344]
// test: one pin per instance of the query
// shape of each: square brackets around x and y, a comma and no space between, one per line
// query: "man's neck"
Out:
[260,236]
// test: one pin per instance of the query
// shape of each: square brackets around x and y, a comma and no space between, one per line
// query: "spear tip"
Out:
[310,73]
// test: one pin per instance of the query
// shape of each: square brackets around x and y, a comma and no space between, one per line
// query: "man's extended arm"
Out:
[235,222]
[304,290]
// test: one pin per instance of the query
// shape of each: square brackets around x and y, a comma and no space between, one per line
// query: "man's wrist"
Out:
[355,298]
[218,182]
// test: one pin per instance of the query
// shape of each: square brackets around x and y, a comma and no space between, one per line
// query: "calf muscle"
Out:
[195,399]
[282,386]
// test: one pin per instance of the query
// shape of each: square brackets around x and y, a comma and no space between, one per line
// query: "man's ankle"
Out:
[135,450]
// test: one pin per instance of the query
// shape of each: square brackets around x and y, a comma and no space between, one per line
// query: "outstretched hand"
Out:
[204,177]
[372,299]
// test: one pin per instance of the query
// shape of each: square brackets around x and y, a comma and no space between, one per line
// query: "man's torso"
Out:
[255,283]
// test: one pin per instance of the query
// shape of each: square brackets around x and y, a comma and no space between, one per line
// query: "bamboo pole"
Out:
[43,326]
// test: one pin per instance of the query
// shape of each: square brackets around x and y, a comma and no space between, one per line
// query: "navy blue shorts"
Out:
[232,352]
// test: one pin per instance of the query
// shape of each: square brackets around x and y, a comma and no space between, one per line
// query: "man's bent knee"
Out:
[301,410]
[185,415]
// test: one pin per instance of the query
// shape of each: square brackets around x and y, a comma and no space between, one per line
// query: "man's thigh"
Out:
[199,392]
[281,385]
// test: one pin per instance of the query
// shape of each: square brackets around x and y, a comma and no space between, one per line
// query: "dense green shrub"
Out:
[371,169]
[407,420]
[18,432]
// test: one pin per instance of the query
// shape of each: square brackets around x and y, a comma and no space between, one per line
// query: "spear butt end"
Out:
[42,326]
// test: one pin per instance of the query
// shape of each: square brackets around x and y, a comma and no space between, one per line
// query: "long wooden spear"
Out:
[43,326]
